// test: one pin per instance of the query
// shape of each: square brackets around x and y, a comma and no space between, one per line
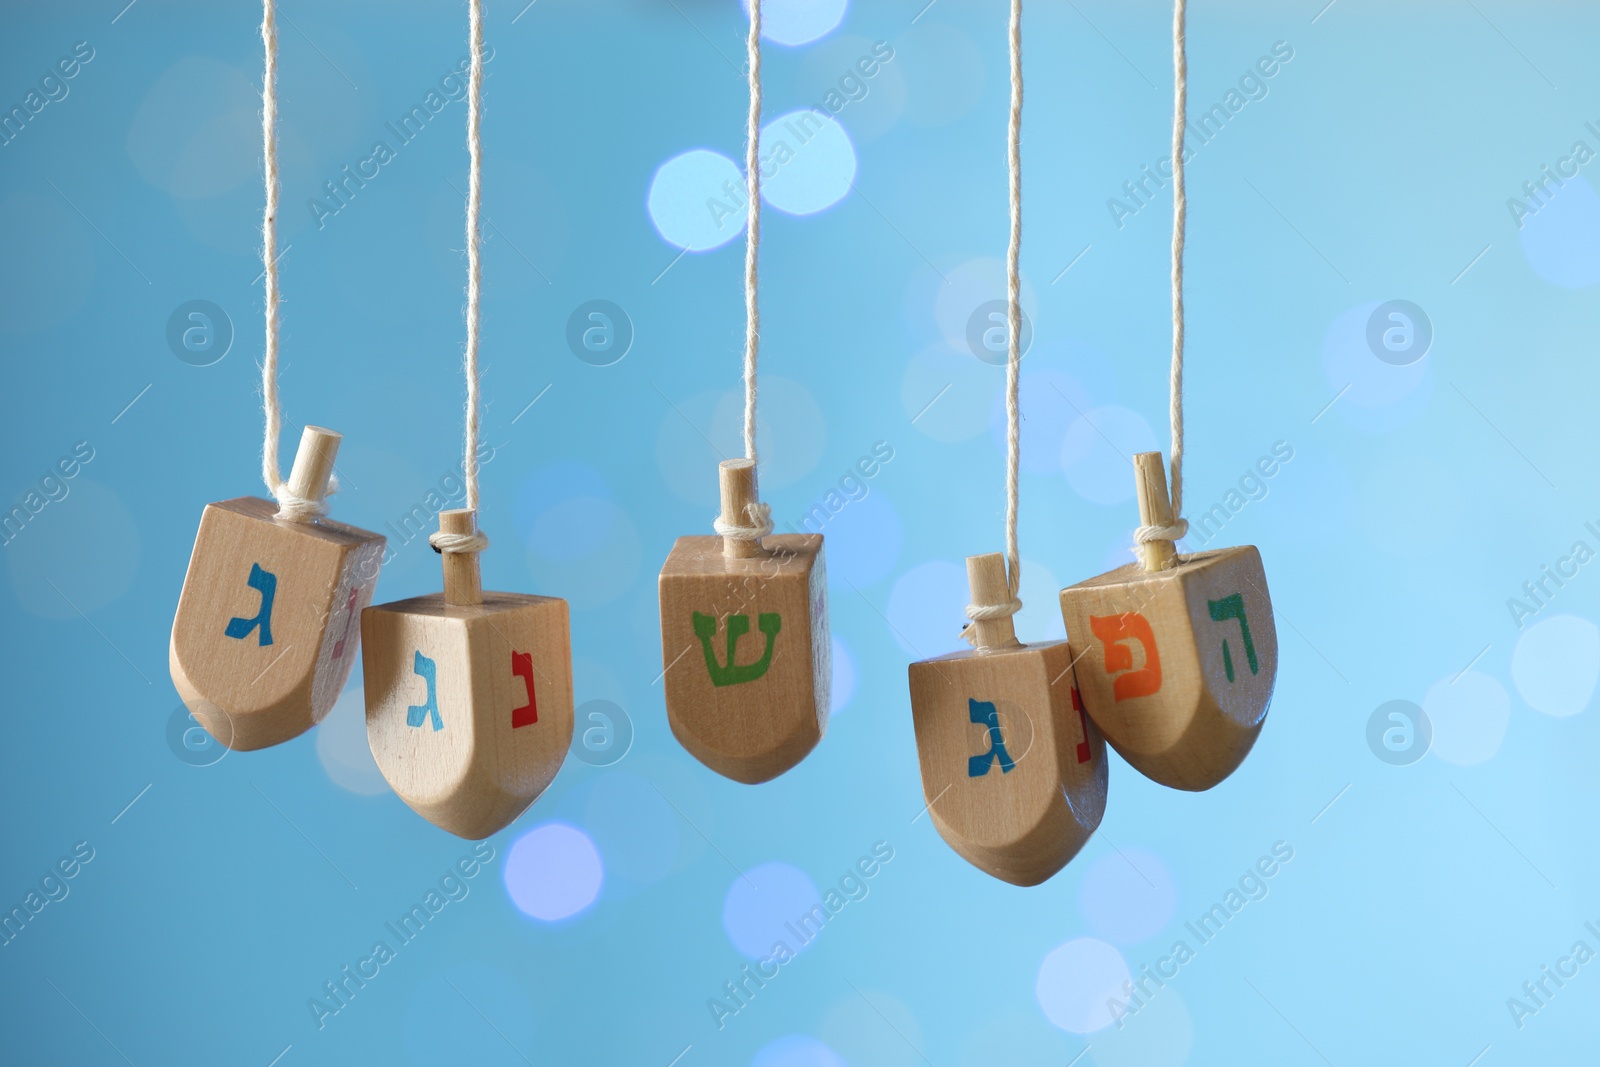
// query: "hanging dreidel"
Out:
[744,615]
[1013,772]
[265,632]
[469,694]
[744,638]
[266,628]
[1180,650]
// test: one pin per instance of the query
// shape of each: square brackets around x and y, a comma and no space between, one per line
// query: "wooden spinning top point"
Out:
[265,632]
[747,660]
[469,693]
[1180,651]
[1013,772]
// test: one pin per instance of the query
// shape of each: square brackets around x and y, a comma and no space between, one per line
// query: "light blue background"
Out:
[1377,167]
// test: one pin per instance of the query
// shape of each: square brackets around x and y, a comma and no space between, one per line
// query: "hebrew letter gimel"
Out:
[265,583]
[731,673]
[1112,630]
[1232,607]
[416,714]
[982,712]
[522,667]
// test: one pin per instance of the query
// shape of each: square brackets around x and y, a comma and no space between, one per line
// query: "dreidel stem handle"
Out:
[313,463]
[986,579]
[463,580]
[1155,509]
[737,479]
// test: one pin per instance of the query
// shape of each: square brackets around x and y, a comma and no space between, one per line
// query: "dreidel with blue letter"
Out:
[469,694]
[744,640]
[1013,772]
[268,621]
[1180,651]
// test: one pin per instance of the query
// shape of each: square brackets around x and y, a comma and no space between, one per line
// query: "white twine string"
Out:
[1180,209]
[473,542]
[269,246]
[756,522]
[291,505]
[752,240]
[1011,605]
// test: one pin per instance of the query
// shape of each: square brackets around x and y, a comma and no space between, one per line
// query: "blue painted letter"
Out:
[983,713]
[415,714]
[265,583]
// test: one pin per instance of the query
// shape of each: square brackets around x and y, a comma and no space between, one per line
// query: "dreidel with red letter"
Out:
[1013,771]
[469,695]
[266,628]
[744,641]
[1180,651]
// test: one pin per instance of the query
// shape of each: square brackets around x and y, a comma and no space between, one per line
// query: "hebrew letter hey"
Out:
[265,583]
[417,713]
[522,667]
[982,712]
[731,673]
[1112,630]
[1232,607]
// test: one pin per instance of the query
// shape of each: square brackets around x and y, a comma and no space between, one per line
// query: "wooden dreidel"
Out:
[1181,651]
[1013,771]
[744,639]
[469,694]
[265,632]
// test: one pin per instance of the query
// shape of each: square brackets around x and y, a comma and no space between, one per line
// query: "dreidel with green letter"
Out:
[744,639]
[469,693]
[267,624]
[1180,651]
[1013,772]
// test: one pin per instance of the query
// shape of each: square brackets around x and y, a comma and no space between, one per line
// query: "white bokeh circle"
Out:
[1128,896]
[1556,664]
[762,903]
[553,872]
[342,746]
[844,678]
[927,609]
[1561,240]
[697,200]
[808,163]
[1469,713]
[1076,983]
[798,22]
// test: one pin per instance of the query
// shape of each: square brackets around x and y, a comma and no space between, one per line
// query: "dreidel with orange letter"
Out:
[266,628]
[1181,651]
[744,639]
[1013,771]
[469,695]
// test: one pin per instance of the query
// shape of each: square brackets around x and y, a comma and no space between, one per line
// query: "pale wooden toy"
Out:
[1013,772]
[1181,651]
[469,695]
[744,641]
[265,632]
